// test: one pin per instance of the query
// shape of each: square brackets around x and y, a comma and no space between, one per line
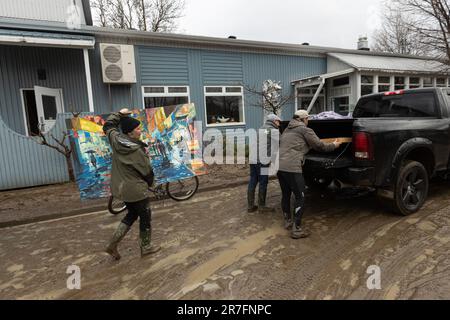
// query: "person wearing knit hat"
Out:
[295,142]
[259,171]
[131,177]
[128,124]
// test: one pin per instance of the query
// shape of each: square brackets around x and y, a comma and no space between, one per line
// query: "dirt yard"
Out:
[214,249]
[16,205]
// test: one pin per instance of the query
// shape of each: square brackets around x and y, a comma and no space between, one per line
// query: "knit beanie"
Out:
[128,124]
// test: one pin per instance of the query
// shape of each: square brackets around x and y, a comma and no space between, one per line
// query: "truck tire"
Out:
[411,188]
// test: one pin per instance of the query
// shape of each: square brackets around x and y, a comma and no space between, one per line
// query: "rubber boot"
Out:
[145,243]
[262,203]
[118,235]
[251,201]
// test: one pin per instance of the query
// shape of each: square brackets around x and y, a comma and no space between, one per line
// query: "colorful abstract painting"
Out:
[174,149]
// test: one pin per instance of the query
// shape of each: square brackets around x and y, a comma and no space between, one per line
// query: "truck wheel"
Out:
[411,188]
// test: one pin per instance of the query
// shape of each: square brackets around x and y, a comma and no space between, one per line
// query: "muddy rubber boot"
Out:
[118,235]
[262,208]
[298,233]
[251,202]
[287,221]
[145,243]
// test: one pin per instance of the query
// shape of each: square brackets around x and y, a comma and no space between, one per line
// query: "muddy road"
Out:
[214,249]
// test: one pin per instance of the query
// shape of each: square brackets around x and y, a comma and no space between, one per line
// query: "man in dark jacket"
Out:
[259,172]
[295,143]
[131,177]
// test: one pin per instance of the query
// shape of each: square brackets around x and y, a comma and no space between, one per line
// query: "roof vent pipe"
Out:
[363,43]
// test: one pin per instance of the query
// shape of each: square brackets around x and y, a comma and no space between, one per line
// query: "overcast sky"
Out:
[331,23]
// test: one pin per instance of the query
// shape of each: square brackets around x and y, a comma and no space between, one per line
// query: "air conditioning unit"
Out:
[118,65]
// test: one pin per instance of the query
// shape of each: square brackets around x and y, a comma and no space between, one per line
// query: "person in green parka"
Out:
[131,177]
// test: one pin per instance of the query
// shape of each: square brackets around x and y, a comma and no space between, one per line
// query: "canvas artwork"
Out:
[174,149]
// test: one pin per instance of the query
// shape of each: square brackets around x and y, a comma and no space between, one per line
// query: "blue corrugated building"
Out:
[50,68]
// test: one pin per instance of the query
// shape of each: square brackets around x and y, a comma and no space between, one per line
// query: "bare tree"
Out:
[101,11]
[270,97]
[164,14]
[428,22]
[117,15]
[60,146]
[146,15]
[396,36]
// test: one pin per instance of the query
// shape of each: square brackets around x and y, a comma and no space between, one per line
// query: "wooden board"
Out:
[342,140]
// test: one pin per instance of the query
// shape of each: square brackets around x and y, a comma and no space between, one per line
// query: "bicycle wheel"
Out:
[182,190]
[116,206]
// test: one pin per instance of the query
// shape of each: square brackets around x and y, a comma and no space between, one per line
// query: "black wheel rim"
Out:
[182,189]
[414,188]
[118,205]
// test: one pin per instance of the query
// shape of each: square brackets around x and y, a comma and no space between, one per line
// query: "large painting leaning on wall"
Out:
[173,148]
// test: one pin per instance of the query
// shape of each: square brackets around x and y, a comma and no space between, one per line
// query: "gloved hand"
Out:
[337,143]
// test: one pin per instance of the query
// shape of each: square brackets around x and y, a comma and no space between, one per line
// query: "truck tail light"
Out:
[393,93]
[362,146]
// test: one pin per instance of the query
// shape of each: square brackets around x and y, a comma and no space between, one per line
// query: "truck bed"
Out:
[328,130]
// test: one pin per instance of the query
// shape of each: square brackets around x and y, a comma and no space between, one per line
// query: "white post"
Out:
[296,96]
[322,83]
[88,80]
[375,83]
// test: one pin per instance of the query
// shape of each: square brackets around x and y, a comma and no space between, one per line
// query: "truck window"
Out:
[411,105]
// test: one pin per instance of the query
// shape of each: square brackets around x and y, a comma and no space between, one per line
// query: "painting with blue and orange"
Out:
[173,148]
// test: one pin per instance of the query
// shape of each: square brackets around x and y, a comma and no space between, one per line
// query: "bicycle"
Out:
[180,190]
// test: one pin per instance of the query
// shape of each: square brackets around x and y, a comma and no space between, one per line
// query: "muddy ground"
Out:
[214,249]
[30,203]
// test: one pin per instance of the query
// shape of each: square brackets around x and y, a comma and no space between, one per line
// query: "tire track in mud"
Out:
[337,268]
[213,249]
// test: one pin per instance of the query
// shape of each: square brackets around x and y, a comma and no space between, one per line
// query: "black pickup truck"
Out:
[399,140]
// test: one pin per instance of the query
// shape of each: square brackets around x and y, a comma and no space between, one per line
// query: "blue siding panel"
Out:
[163,66]
[222,68]
[25,163]
[196,83]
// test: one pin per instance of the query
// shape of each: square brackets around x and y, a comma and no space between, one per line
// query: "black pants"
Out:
[139,209]
[292,183]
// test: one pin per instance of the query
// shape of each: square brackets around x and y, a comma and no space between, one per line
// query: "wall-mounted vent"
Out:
[118,65]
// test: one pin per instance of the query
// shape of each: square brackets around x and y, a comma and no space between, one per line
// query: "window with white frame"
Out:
[384,83]
[414,82]
[305,96]
[224,105]
[161,96]
[366,85]
[399,83]
[341,105]
[427,82]
[440,82]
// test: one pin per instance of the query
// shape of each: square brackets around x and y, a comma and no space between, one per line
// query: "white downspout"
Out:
[88,80]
